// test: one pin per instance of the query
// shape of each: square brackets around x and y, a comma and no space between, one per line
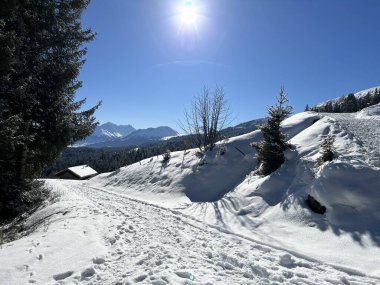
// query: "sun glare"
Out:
[188,13]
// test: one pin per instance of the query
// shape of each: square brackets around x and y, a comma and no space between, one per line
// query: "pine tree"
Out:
[376,97]
[327,149]
[41,53]
[307,108]
[270,151]
[350,104]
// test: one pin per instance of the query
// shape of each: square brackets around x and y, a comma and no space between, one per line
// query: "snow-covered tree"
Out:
[41,53]
[270,151]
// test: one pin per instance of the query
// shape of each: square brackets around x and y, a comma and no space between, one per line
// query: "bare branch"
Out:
[207,116]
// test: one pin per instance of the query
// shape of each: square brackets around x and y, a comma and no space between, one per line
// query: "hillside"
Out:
[352,102]
[273,207]
[211,220]
[106,158]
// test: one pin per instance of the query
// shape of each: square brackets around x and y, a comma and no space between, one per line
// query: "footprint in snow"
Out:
[87,273]
[98,260]
[63,275]
[185,274]
[141,278]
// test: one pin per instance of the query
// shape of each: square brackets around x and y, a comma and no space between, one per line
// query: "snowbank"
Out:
[372,112]
[186,175]
[272,209]
[64,241]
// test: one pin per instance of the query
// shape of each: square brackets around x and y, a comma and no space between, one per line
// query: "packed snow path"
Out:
[153,245]
[366,130]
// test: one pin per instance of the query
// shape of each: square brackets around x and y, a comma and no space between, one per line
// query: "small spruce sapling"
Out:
[328,149]
[166,156]
[270,151]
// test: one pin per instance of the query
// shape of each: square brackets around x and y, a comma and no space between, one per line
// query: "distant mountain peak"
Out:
[112,135]
[158,132]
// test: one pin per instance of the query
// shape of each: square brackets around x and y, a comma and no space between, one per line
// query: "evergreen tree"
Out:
[327,149]
[350,104]
[337,108]
[307,108]
[329,107]
[270,151]
[41,53]
[376,97]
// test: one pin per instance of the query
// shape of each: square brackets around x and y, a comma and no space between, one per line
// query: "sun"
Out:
[188,13]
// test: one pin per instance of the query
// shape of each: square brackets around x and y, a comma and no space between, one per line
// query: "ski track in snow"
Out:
[152,245]
[366,130]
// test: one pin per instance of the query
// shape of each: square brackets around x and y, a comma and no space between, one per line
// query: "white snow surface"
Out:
[211,220]
[111,134]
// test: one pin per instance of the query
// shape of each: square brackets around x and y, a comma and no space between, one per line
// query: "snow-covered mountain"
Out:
[113,131]
[138,137]
[106,132]
[112,135]
[151,133]
[244,128]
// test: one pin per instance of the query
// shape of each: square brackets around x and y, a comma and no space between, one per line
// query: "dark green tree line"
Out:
[350,103]
[41,53]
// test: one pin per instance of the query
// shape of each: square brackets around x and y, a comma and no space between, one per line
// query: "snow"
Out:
[358,95]
[65,237]
[185,177]
[110,238]
[82,171]
[107,133]
[212,220]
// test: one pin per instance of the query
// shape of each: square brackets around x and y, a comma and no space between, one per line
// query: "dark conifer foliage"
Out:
[270,151]
[327,149]
[110,159]
[41,53]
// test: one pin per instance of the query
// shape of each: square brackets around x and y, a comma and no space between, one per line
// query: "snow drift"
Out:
[272,209]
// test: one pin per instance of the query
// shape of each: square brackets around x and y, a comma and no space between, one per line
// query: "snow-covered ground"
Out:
[211,220]
[96,236]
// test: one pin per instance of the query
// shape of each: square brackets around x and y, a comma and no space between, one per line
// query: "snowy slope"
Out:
[100,237]
[274,206]
[184,174]
[188,221]
[358,95]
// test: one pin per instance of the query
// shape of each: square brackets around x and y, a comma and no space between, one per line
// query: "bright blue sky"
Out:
[147,63]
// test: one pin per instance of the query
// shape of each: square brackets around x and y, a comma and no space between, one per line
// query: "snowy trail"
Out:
[152,245]
[367,131]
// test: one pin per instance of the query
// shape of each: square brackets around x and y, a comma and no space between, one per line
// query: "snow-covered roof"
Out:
[81,171]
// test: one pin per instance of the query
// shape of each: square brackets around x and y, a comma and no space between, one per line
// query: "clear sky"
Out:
[151,57]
